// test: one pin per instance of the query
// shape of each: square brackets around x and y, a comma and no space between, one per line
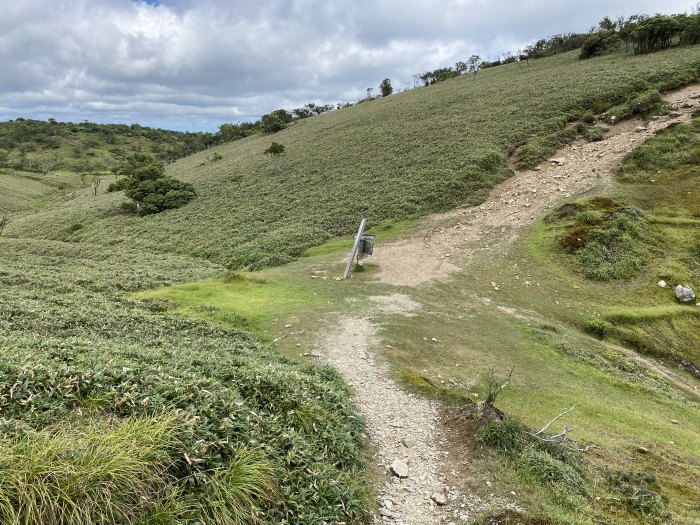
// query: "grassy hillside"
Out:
[207,424]
[43,146]
[425,150]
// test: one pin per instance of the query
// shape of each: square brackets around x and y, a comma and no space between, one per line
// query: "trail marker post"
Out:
[361,248]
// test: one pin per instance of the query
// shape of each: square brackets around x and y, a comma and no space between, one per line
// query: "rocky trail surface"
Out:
[405,430]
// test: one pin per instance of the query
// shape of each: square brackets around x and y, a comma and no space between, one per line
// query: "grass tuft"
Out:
[104,471]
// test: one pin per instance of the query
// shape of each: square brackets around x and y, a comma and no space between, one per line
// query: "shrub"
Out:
[640,492]
[600,43]
[275,149]
[552,471]
[507,435]
[646,104]
[597,327]
[151,190]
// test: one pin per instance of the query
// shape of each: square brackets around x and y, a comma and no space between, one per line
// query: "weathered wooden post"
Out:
[356,244]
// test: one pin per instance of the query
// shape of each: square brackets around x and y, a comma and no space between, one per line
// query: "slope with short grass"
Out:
[415,152]
[644,230]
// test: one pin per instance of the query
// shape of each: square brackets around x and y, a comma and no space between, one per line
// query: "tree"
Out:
[461,67]
[151,191]
[474,62]
[385,87]
[272,123]
[599,43]
[96,181]
[276,150]
[3,222]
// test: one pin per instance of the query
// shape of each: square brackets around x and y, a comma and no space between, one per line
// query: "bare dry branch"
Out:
[553,420]
[494,386]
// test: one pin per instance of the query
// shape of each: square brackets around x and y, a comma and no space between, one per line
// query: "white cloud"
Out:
[193,64]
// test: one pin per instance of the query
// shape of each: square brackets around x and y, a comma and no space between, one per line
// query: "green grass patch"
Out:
[676,146]
[94,471]
[643,230]
[239,300]
[609,240]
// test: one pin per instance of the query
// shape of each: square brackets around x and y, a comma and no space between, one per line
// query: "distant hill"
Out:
[44,146]
[420,151]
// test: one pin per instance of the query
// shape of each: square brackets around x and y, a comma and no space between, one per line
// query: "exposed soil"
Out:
[412,430]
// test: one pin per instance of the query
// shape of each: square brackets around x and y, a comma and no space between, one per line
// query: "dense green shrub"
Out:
[154,196]
[599,44]
[272,123]
[275,149]
[151,191]
[597,327]
[507,435]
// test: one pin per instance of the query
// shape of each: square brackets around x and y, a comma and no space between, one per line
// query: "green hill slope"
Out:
[420,151]
[42,146]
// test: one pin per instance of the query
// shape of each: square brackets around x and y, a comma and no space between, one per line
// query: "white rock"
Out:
[399,468]
[685,293]
[439,498]
[662,283]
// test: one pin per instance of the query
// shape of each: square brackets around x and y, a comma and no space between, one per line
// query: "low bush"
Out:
[506,435]
[644,104]
[599,44]
[73,344]
[610,241]
[552,471]
[553,463]
[640,493]
[597,327]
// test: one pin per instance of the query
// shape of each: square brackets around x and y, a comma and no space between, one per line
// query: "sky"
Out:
[192,65]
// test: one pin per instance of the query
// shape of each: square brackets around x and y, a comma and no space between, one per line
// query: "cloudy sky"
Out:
[193,64]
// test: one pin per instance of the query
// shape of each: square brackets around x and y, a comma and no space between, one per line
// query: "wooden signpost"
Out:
[361,248]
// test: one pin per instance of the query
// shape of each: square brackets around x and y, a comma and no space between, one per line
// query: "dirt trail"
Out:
[405,430]
[402,427]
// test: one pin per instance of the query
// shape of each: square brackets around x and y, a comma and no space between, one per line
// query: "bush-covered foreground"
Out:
[112,411]
[424,150]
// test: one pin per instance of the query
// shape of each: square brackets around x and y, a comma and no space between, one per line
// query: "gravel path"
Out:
[402,427]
